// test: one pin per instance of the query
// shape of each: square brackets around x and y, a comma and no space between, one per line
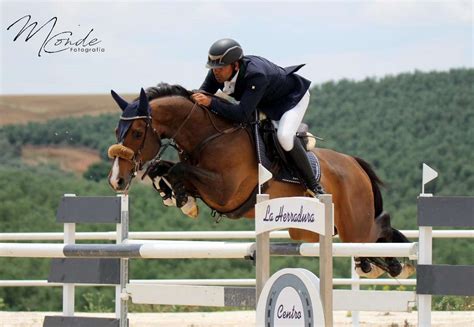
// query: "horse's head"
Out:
[137,141]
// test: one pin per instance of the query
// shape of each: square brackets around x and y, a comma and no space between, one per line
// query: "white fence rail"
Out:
[196,235]
[212,282]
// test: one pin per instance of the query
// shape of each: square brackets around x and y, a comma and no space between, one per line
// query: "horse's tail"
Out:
[376,184]
[390,234]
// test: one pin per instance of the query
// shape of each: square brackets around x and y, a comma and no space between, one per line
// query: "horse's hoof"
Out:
[363,264]
[170,202]
[407,270]
[181,200]
[394,267]
[194,213]
[374,272]
[190,208]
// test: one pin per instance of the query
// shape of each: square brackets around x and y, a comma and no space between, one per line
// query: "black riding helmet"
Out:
[224,52]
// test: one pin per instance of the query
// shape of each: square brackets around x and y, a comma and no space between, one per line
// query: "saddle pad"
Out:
[284,173]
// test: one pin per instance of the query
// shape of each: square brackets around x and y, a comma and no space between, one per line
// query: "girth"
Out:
[243,208]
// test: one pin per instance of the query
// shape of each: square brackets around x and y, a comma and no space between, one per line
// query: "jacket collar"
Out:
[241,75]
[229,86]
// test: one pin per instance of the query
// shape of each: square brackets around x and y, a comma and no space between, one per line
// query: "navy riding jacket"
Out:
[260,84]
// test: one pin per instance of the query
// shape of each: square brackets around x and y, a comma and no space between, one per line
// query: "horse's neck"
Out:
[182,120]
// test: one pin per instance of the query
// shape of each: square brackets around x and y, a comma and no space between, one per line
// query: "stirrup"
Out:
[311,193]
[319,191]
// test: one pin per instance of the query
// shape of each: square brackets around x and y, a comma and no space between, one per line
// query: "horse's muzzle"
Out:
[118,181]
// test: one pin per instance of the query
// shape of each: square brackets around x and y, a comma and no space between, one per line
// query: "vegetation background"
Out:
[396,123]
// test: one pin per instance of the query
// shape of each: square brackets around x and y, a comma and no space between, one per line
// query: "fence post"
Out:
[425,257]
[121,301]
[325,260]
[68,289]
[355,287]
[262,253]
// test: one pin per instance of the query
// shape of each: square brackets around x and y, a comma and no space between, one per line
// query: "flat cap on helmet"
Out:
[224,52]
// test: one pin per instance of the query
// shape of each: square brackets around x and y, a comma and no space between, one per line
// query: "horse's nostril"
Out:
[121,182]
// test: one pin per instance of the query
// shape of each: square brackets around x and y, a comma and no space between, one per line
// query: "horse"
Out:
[218,163]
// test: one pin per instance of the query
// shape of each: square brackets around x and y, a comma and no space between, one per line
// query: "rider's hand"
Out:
[202,99]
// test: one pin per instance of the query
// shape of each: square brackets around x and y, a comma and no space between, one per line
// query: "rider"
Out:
[258,83]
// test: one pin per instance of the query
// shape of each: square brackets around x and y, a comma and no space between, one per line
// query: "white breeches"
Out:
[290,121]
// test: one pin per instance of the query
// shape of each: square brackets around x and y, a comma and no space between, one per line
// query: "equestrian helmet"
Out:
[224,52]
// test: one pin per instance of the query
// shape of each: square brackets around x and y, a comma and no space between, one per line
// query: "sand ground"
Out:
[246,319]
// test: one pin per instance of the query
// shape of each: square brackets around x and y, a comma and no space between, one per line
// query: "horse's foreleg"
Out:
[156,171]
[166,192]
[163,182]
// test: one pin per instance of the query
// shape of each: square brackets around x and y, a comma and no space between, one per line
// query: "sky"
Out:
[141,43]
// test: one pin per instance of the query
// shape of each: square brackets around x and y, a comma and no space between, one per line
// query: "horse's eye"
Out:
[137,134]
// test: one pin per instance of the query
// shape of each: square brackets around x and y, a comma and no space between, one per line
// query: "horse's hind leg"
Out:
[374,267]
[391,265]
[364,268]
[407,269]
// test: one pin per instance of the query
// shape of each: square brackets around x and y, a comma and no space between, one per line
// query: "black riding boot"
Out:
[300,160]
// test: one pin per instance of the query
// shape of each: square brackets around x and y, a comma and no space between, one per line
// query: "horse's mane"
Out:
[164,90]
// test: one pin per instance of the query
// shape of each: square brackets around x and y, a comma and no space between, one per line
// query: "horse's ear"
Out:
[120,101]
[143,105]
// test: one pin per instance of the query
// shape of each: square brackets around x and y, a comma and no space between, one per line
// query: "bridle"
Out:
[123,152]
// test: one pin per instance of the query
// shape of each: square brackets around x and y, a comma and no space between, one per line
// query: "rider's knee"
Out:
[286,139]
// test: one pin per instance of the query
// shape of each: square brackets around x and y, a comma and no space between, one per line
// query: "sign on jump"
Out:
[296,212]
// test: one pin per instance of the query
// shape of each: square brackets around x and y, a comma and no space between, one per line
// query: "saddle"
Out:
[272,156]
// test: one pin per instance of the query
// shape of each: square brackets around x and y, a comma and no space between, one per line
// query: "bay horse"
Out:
[218,163]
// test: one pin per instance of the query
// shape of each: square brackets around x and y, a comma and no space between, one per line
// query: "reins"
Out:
[184,121]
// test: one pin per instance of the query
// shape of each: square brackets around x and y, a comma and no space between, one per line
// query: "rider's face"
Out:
[223,74]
